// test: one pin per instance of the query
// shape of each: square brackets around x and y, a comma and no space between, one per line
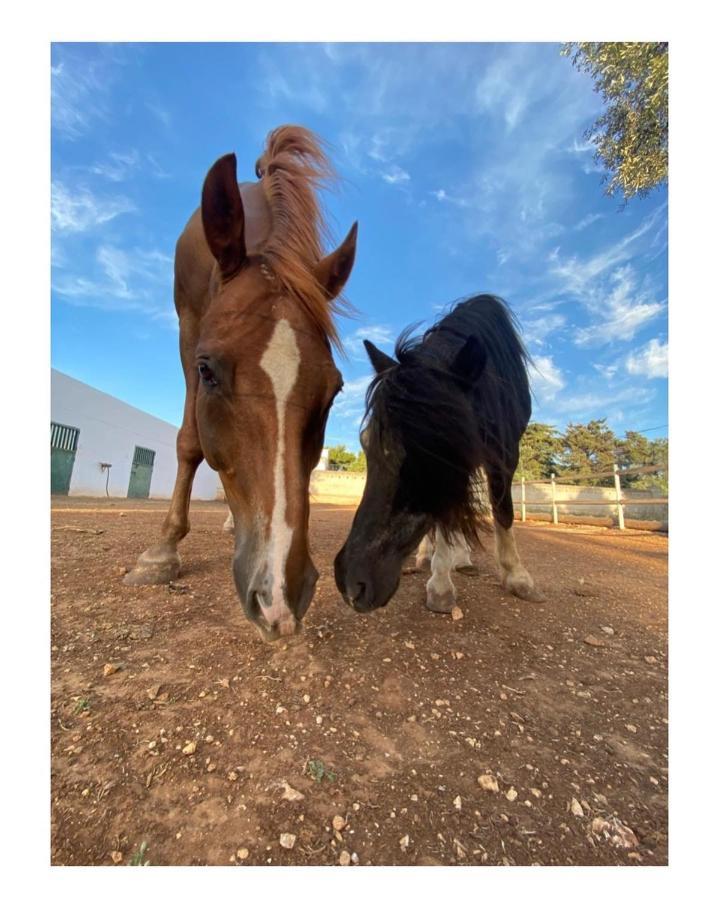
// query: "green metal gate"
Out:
[141,473]
[63,446]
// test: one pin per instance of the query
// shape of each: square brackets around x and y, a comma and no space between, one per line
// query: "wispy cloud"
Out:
[546,378]
[350,402]
[587,405]
[607,371]
[137,279]
[81,209]
[577,275]
[117,166]
[396,175]
[621,312]
[381,335]
[536,331]
[652,360]
[81,81]
[588,220]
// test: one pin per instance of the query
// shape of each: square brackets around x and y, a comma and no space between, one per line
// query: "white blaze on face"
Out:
[281,362]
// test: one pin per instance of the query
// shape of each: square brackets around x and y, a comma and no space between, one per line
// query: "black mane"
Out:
[447,424]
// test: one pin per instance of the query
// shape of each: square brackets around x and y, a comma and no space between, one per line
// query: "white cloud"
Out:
[395,175]
[381,335]
[651,361]
[588,220]
[137,279]
[537,330]
[80,210]
[620,313]
[350,402]
[443,197]
[579,276]
[546,378]
[117,166]
[584,406]
[606,371]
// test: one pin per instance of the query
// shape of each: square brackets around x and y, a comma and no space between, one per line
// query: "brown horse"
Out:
[254,296]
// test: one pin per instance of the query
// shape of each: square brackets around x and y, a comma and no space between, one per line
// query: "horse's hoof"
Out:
[440,603]
[154,566]
[523,587]
[470,570]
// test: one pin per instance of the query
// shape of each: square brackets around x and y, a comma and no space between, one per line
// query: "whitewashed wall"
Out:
[109,432]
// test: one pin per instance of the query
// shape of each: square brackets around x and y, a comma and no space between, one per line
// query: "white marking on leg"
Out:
[281,361]
[441,594]
[514,576]
[424,552]
[460,551]
[229,522]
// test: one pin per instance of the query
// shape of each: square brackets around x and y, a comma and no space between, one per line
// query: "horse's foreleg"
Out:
[461,560]
[161,562]
[515,578]
[441,593]
[423,561]
[229,522]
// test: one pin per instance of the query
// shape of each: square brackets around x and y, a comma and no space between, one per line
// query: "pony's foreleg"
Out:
[461,560]
[229,522]
[161,562]
[515,578]
[423,561]
[441,594]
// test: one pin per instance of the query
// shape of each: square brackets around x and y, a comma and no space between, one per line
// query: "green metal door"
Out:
[63,446]
[141,473]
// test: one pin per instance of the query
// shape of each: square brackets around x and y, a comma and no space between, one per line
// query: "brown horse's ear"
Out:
[333,271]
[223,217]
[380,361]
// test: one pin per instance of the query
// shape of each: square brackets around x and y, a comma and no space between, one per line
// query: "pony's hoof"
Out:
[440,602]
[470,570]
[522,586]
[155,566]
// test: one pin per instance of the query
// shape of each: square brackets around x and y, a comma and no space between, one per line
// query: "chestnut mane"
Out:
[293,167]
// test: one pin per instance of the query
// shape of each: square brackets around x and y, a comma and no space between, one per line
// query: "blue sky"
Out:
[465,165]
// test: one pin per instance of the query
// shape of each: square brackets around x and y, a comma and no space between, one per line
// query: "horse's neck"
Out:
[258,219]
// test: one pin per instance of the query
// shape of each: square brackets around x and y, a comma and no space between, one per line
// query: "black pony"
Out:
[454,404]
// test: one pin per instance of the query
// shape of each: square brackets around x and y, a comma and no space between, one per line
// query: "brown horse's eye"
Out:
[206,374]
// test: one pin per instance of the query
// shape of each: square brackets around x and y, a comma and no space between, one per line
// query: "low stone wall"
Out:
[346,488]
[538,497]
[337,488]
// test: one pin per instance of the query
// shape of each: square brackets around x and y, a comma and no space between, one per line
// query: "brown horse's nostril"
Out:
[254,607]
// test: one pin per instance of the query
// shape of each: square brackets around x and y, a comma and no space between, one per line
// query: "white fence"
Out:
[575,499]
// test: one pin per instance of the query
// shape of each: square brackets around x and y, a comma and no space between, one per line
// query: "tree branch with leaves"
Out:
[632,136]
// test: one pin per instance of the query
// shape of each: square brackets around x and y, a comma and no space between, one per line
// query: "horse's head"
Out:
[421,449]
[266,382]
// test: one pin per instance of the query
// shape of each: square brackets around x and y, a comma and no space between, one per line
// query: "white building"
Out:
[100,446]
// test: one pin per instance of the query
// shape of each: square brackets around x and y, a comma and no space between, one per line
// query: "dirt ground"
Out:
[519,734]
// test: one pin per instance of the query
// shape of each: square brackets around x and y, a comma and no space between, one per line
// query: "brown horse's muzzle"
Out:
[272,600]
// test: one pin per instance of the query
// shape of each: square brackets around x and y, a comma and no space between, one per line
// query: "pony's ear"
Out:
[470,361]
[223,217]
[334,269]
[380,361]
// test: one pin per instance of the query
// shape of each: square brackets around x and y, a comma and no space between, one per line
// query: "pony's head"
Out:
[420,440]
[266,378]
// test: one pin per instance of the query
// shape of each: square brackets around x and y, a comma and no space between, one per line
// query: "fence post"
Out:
[524,502]
[618,488]
[555,514]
